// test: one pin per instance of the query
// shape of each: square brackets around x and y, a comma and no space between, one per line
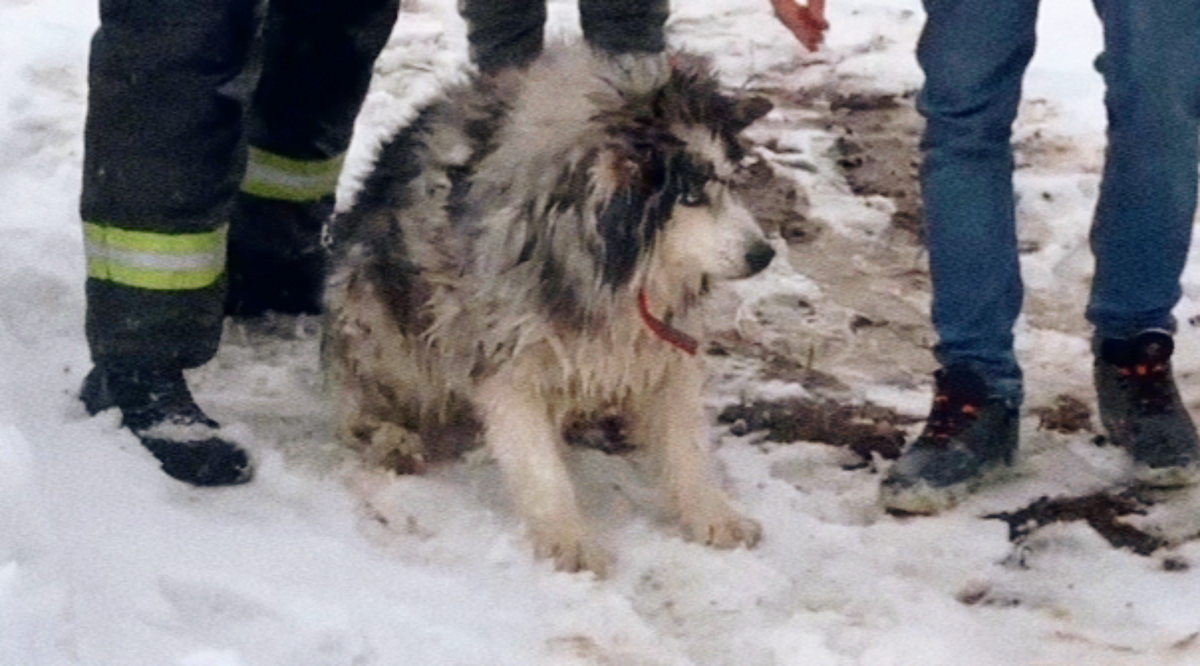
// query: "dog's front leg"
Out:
[525,441]
[672,425]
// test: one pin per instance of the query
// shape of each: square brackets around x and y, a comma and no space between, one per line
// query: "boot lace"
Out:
[1149,384]
[957,403]
[948,418]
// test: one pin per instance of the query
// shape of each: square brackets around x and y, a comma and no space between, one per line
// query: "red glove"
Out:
[808,23]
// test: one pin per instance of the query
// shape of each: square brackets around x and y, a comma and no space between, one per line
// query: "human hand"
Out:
[807,23]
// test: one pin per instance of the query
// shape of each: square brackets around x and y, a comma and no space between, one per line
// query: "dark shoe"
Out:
[158,408]
[276,261]
[1141,409]
[967,434]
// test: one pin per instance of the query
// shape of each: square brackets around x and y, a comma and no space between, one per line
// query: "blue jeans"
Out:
[974,54]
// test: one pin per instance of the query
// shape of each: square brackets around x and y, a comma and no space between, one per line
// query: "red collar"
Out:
[665,331]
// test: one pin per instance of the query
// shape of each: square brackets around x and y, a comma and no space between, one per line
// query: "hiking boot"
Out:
[968,433]
[1141,409]
[157,407]
[276,261]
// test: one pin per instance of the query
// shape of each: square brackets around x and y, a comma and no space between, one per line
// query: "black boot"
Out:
[968,433]
[1141,409]
[157,407]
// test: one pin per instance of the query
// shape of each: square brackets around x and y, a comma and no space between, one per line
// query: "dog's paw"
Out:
[571,553]
[397,449]
[721,528]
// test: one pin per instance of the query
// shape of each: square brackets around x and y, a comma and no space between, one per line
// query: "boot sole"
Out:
[924,500]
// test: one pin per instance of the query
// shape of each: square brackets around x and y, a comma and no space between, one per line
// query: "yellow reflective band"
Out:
[151,279]
[148,260]
[148,241]
[272,176]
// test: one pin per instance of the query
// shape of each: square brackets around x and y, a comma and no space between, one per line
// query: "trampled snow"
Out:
[105,561]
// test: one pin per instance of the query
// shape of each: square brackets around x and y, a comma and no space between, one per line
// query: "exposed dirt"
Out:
[1104,512]
[866,430]
[875,149]
[1067,415]
[861,316]
[776,202]
[878,148]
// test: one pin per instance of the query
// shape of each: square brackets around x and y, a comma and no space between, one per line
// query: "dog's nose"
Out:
[759,256]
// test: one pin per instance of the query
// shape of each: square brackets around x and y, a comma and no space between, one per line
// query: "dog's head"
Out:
[606,180]
[665,173]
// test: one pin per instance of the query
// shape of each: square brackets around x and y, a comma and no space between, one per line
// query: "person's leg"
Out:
[974,54]
[1142,231]
[503,33]
[162,162]
[624,26]
[1147,203]
[317,61]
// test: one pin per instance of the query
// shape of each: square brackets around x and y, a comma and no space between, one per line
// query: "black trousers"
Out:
[177,90]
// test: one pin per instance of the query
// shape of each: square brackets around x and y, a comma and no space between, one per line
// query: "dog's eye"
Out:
[694,194]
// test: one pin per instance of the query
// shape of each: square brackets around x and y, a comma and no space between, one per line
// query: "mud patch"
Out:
[876,146]
[867,429]
[1104,512]
[1067,415]
[776,202]
[872,310]
[878,151]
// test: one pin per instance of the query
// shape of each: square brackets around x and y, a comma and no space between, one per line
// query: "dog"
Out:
[534,248]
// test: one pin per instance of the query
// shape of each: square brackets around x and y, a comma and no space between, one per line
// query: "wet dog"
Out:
[531,249]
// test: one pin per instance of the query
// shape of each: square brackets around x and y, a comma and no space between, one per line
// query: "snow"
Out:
[105,561]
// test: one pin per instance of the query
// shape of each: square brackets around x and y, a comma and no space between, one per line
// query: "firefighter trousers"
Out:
[190,102]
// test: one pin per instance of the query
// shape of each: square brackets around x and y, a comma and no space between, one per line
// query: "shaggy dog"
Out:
[531,250]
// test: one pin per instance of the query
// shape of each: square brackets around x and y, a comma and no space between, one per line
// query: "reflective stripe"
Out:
[149,260]
[272,176]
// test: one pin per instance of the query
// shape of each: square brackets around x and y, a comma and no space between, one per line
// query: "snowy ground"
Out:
[104,561]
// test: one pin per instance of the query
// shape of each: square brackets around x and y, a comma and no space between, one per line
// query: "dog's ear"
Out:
[635,156]
[748,110]
[629,218]
[637,170]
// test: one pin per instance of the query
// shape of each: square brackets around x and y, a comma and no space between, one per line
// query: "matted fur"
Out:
[490,272]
